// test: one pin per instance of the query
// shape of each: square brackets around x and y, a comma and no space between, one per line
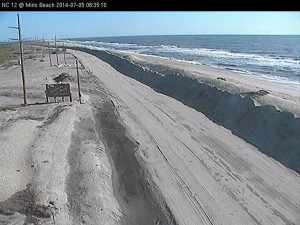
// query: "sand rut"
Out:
[130,185]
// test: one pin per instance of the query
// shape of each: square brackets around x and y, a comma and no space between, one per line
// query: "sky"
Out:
[102,24]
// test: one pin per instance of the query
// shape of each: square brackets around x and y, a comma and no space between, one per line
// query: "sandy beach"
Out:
[156,141]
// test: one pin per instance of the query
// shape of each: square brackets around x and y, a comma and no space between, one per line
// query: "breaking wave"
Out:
[271,67]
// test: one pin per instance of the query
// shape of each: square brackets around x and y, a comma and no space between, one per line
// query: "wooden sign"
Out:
[58,90]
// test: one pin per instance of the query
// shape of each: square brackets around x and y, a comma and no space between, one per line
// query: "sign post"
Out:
[78,82]
[58,90]
[49,55]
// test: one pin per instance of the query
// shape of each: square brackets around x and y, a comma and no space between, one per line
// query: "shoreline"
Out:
[275,79]
[251,113]
[238,81]
[203,71]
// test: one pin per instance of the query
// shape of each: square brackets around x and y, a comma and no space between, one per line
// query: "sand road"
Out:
[201,172]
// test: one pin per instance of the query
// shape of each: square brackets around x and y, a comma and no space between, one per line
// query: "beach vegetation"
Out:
[7,108]
[8,55]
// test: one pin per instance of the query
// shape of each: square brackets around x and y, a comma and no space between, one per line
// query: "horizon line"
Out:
[148,35]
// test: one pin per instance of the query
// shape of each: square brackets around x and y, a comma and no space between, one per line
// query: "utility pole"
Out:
[78,82]
[22,61]
[49,54]
[64,49]
[56,52]
[44,46]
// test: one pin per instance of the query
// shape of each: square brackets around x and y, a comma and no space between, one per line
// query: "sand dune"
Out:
[265,115]
[206,174]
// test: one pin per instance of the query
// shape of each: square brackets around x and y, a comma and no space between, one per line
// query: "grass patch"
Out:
[7,108]
[8,54]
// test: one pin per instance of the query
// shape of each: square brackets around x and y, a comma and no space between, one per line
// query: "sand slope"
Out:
[206,174]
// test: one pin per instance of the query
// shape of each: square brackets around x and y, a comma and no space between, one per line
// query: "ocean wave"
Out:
[233,62]
[221,55]
[254,59]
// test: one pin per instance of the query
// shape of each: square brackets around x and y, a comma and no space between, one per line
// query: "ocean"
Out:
[275,58]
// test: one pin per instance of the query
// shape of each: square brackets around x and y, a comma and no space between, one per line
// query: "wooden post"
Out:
[47,93]
[64,49]
[78,82]
[71,99]
[56,52]
[49,54]
[22,62]
[44,46]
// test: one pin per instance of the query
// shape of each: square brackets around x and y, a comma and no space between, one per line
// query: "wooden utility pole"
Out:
[21,60]
[56,52]
[78,82]
[64,49]
[49,54]
[44,46]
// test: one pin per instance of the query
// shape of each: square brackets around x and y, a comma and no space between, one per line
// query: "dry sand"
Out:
[130,155]
[53,166]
